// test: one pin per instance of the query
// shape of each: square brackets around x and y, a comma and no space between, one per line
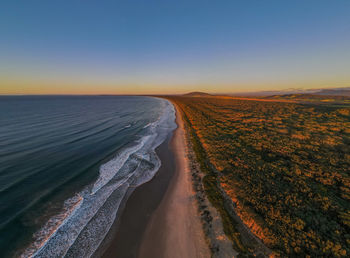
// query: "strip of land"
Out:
[161,217]
[175,229]
[126,234]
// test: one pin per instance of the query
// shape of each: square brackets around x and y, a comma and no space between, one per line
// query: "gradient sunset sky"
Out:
[132,47]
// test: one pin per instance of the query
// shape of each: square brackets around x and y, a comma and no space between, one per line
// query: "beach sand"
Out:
[161,218]
[175,229]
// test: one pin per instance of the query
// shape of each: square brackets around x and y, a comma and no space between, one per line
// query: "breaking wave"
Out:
[86,218]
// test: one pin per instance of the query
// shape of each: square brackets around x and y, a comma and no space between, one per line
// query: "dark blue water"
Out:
[66,163]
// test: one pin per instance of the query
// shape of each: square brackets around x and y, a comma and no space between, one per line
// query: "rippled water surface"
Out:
[66,163]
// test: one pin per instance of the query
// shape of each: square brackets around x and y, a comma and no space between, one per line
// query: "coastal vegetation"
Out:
[284,165]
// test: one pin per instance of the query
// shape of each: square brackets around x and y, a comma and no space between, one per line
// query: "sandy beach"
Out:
[161,218]
[175,229]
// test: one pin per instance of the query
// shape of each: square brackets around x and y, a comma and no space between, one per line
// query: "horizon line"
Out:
[170,94]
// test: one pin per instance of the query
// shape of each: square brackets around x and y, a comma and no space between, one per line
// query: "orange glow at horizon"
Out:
[57,88]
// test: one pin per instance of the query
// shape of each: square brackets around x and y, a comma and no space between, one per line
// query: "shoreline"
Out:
[175,229]
[161,217]
[138,205]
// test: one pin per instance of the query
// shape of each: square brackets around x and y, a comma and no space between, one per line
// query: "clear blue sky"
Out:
[172,46]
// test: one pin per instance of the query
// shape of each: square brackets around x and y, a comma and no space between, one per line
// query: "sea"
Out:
[67,162]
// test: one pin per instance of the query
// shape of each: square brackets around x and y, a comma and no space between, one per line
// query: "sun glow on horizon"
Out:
[123,48]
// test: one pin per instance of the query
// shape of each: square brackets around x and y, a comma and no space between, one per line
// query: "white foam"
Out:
[84,227]
[112,167]
[51,226]
[147,125]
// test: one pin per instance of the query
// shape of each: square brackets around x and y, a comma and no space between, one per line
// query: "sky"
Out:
[165,47]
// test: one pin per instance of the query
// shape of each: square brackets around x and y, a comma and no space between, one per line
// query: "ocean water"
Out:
[66,163]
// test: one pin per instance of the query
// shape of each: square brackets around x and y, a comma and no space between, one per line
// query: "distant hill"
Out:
[197,94]
[273,93]
[314,96]
[344,91]
[335,92]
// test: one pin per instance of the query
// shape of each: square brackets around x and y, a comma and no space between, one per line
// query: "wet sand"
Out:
[160,218]
[139,207]
[175,229]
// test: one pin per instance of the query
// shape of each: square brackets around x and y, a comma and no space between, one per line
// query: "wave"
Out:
[109,169]
[87,217]
[147,125]
[51,226]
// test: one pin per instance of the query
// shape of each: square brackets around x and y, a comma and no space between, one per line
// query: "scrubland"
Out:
[285,167]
